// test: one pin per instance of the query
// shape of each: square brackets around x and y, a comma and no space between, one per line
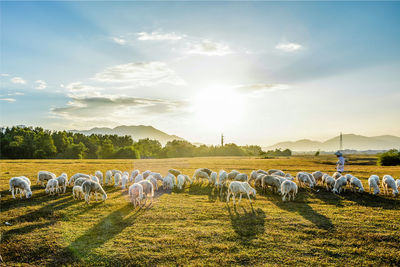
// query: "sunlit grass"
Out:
[194,226]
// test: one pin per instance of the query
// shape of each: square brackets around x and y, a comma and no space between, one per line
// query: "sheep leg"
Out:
[240,198]
[247,196]
[233,197]
[12,192]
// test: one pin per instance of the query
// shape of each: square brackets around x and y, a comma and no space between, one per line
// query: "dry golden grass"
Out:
[193,226]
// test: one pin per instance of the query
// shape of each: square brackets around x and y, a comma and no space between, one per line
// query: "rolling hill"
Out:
[136,131]
[350,141]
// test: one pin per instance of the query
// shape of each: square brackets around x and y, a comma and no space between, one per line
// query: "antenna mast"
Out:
[222,139]
[341,141]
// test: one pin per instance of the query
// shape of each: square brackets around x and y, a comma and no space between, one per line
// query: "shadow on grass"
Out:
[301,207]
[110,226]
[247,225]
[369,200]
[206,190]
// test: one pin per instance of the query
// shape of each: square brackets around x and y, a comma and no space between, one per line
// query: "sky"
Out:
[259,72]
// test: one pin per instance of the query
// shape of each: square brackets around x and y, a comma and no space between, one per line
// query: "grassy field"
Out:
[193,226]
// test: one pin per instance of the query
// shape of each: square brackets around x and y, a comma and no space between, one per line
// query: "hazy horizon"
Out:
[259,72]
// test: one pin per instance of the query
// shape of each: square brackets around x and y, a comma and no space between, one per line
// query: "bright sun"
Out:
[218,107]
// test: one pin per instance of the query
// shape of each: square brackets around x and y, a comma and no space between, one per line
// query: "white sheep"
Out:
[77,176]
[168,183]
[232,174]
[94,178]
[99,175]
[303,178]
[188,179]
[200,174]
[288,188]
[174,172]
[336,175]
[373,182]
[288,176]
[355,184]
[348,177]
[240,188]
[278,172]
[133,175]
[44,176]
[138,178]
[262,171]
[22,185]
[17,190]
[157,176]
[221,182]
[329,182]
[213,178]
[146,173]
[242,177]
[318,176]
[148,190]
[124,180]
[387,182]
[153,180]
[108,178]
[311,178]
[63,181]
[90,187]
[80,181]
[253,176]
[271,171]
[398,183]
[180,181]
[340,185]
[273,181]
[136,194]
[114,172]
[117,179]
[77,192]
[52,187]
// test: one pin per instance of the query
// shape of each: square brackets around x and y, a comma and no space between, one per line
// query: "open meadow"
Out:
[194,226]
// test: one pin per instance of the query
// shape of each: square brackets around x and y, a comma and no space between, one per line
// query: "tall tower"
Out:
[341,141]
[222,139]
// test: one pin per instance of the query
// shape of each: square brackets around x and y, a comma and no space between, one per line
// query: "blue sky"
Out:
[260,72]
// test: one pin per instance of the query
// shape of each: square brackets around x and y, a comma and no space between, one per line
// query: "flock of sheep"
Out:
[234,183]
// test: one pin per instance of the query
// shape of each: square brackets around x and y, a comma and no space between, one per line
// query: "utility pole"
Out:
[341,141]
[222,139]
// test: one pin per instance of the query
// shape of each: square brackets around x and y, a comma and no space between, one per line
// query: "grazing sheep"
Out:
[77,192]
[303,178]
[133,175]
[174,172]
[288,188]
[240,188]
[373,182]
[340,185]
[348,177]
[242,177]
[168,183]
[52,187]
[157,176]
[22,185]
[356,183]
[89,187]
[213,178]
[232,174]
[387,182]
[136,194]
[146,173]
[114,172]
[398,183]
[148,190]
[206,170]
[288,176]
[188,179]
[44,176]
[336,175]
[99,175]
[318,176]
[17,190]
[94,178]
[124,180]
[253,176]
[329,182]
[199,174]
[80,181]
[76,176]
[311,178]
[262,171]
[63,181]
[273,181]
[279,172]
[180,181]
[108,178]
[258,180]
[117,178]
[153,181]
[221,183]
[138,178]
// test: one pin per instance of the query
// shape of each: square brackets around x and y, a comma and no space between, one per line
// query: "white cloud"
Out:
[140,74]
[18,80]
[16,93]
[41,84]
[119,40]
[158,36]
[4,75]
[209,48]
[256,89]
[10,100]
[289,47]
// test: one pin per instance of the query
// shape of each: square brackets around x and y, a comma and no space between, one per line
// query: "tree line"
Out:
[38,143]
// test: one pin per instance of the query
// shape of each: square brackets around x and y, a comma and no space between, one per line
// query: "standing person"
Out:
[340,162]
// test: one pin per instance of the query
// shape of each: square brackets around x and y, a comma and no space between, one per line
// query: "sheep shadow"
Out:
[369,200]
[207,190]
[247,225]
[327,197]
[110,226]
[300,206]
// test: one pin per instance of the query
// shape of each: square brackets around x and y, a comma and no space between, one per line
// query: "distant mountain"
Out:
[136,131]
[350,141]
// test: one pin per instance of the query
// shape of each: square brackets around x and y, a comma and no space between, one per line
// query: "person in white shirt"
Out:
[340,162]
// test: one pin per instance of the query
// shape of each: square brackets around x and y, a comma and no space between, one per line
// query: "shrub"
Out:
[389,158]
